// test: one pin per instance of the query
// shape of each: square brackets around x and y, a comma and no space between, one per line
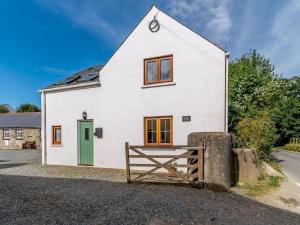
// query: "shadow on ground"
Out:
[277,160]
[37,200]
[10,165]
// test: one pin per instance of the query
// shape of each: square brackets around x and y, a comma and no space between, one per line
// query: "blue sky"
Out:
[43,41]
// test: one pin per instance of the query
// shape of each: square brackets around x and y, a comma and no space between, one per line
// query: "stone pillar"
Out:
[217,158]
[245,166]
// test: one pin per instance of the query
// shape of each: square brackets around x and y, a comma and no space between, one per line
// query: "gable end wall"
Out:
[121,103]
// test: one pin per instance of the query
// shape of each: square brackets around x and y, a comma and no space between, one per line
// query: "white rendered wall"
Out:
[120,104]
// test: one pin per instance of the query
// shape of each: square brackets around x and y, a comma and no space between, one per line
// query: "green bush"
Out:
[4,109]
[28,108]
[257,133]
[292,147]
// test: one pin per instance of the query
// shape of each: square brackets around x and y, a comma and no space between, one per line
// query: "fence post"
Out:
[127,161]
[201,165]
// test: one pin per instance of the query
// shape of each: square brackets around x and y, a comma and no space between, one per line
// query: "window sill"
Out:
[5,139]
[158,85]
[159,149]
[56,145]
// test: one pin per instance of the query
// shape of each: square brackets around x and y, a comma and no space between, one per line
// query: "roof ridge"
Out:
[19,113]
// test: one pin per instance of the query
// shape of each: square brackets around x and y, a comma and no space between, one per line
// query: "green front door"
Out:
[86,143]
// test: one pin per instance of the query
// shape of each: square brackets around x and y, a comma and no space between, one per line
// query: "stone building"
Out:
[19,129]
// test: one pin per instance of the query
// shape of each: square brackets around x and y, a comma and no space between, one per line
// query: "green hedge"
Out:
[256,133]
[292,147]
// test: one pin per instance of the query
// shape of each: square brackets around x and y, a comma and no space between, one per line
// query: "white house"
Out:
[164,82]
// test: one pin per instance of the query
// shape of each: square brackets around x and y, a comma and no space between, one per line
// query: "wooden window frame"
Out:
[20,130]
[158,131]
[158,75]
[6,138]
[54,141]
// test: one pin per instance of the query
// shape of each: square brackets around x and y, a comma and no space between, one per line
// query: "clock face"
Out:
[154,26]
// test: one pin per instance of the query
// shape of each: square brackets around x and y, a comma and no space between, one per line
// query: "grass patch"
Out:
[292,147]
[264,185]
[275,165]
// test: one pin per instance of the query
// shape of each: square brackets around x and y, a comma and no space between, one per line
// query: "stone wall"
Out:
[217,158]
[29,134]
[245,166]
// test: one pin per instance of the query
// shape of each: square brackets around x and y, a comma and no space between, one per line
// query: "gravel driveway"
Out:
[28,163]
[48,200]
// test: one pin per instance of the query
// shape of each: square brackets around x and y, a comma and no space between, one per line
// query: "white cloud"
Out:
[284,45]
[209,16]
[242,23]
[85,14]
[55,70]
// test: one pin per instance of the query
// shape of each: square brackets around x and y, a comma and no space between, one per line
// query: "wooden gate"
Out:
[165,168]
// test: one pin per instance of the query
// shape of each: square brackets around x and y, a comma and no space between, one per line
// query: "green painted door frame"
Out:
[86,142]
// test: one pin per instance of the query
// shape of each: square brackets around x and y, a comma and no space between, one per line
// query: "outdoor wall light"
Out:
[84,115]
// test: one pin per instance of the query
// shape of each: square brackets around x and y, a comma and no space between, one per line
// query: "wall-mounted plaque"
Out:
[186,118]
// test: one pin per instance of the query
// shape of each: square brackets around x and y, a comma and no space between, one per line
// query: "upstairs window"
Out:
[56,135]
[6,134]
[158,69]
[19,134]
[158,130]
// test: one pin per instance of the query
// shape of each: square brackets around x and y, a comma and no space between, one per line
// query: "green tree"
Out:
[4,109]
[255,89]
[287,116]
[28,108]
[252,86]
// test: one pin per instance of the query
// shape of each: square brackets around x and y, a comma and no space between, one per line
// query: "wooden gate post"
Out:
[201,165]
[127,161]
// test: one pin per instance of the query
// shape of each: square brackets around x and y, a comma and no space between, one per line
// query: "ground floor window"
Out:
[158,130]
[6,134]
[19,133]
[56,135]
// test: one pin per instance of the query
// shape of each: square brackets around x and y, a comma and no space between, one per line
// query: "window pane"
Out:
[165,131]
[168,138]
[151,131]
[162,124]
[86,133]
[6,133]
[165,69]
[151,71]
[19,133]
[165,124]
[58,134]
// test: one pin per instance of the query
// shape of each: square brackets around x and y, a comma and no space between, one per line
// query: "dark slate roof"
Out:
[84,76]
[20,120]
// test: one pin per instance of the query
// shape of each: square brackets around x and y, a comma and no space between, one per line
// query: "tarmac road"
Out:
[290,162]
